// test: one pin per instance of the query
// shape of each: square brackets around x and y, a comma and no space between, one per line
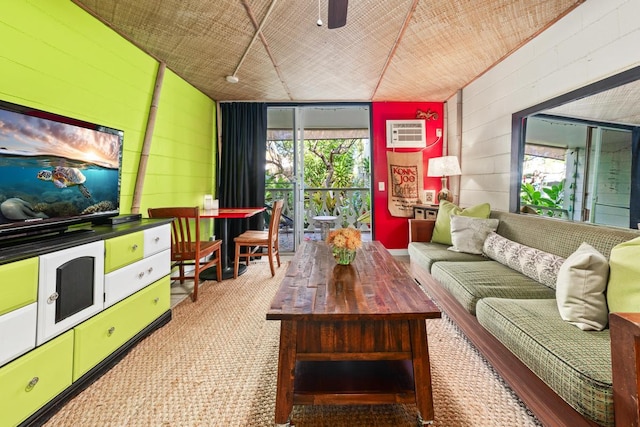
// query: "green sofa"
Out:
[562,373]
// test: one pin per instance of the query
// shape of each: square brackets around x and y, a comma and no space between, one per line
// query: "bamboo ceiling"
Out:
[390,50]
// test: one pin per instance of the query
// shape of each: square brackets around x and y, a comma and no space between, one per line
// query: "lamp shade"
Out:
[443,166]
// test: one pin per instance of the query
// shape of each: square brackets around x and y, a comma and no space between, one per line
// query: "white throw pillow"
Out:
[582,281]
[468,233]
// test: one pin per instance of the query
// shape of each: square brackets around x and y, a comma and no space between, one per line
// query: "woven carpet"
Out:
[215,364]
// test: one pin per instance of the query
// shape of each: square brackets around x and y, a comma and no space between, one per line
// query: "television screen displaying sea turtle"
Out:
[64,177]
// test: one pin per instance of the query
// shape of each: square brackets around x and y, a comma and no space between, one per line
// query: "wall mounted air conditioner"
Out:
[406,134]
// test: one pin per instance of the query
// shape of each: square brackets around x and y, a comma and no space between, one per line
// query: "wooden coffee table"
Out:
[351,334]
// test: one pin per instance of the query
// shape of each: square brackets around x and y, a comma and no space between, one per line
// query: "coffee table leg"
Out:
[286,372]
[421,371]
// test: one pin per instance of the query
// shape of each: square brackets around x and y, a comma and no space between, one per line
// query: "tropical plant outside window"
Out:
[577,171]
[542,189]
[336,175]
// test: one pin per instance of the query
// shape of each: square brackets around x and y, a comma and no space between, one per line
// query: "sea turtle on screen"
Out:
[64,177]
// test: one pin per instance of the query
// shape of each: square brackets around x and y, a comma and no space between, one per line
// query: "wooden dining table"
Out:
[224,214]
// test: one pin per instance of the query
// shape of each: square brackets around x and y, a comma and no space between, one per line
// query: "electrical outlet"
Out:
[438,132]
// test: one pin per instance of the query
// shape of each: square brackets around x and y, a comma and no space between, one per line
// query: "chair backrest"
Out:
[185,230]
[274,223]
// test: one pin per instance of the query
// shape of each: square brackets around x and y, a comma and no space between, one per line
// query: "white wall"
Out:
[453,123]
[596,40]
[613,184]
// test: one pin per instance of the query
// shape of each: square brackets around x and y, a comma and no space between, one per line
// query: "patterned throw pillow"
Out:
[468,234]
[534,263]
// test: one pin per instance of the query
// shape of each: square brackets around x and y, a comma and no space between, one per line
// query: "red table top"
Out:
[230,212]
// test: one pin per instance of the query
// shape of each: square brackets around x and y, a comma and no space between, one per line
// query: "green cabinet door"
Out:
[18,284]
[31,381]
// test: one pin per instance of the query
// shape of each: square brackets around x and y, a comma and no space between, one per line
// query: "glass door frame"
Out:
[298,167]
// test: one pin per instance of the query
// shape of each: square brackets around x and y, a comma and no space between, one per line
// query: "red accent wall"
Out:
[393,232]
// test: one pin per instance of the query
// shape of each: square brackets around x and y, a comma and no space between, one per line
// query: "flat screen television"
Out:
[55,171]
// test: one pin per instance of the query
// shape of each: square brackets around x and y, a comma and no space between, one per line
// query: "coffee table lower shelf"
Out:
[353,382]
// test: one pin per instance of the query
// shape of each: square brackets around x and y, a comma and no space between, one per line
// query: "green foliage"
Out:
[550,197]
[555,194]
[529,195]
[327,163]
[330,163]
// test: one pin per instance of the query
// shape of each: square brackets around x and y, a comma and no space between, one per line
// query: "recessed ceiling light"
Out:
[232,79]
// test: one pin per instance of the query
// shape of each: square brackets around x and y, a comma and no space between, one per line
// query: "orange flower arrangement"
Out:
[344,242]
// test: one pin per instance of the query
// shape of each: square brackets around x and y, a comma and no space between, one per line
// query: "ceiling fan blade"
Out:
[337,13]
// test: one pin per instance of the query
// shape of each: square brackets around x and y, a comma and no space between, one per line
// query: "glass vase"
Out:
[343,256]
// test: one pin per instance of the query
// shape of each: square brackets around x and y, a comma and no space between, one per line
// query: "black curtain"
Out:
[634,205]
[242,164]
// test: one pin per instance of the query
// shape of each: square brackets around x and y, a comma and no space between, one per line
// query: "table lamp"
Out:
[443,167]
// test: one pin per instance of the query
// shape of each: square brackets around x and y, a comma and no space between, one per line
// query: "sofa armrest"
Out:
[420,230]
[625,361]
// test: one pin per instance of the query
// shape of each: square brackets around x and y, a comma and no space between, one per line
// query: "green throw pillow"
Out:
[623,290]
[442,230]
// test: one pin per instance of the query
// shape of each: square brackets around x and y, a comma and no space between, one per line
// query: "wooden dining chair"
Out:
[187,249]
[254,241]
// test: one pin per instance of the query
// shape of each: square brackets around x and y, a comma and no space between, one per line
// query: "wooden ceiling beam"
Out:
[263,39]
[392,52]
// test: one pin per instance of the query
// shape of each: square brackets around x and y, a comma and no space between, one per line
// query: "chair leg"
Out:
[181,272]
[270,255]
[196,280]
[278,252]
[237,260]
[219,266]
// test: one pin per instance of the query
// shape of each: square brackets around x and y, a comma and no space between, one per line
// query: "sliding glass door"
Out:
[318,161]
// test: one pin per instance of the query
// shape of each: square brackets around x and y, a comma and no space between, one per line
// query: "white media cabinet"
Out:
[43,366]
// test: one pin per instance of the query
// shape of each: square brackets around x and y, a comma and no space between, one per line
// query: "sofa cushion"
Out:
[468,234]
[582,280]
[533,263]
[623,291]
[426,253]
[470,281]
[442,229]
[576,364]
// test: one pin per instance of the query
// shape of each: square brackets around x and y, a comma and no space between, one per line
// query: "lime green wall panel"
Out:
[66,66]
[183,142]
[58,58]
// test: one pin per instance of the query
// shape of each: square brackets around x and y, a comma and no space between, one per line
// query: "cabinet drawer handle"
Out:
[32,384]
[157,239]
[150,270]
[141,275]
[111,331]
[134,248]
[155,300]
